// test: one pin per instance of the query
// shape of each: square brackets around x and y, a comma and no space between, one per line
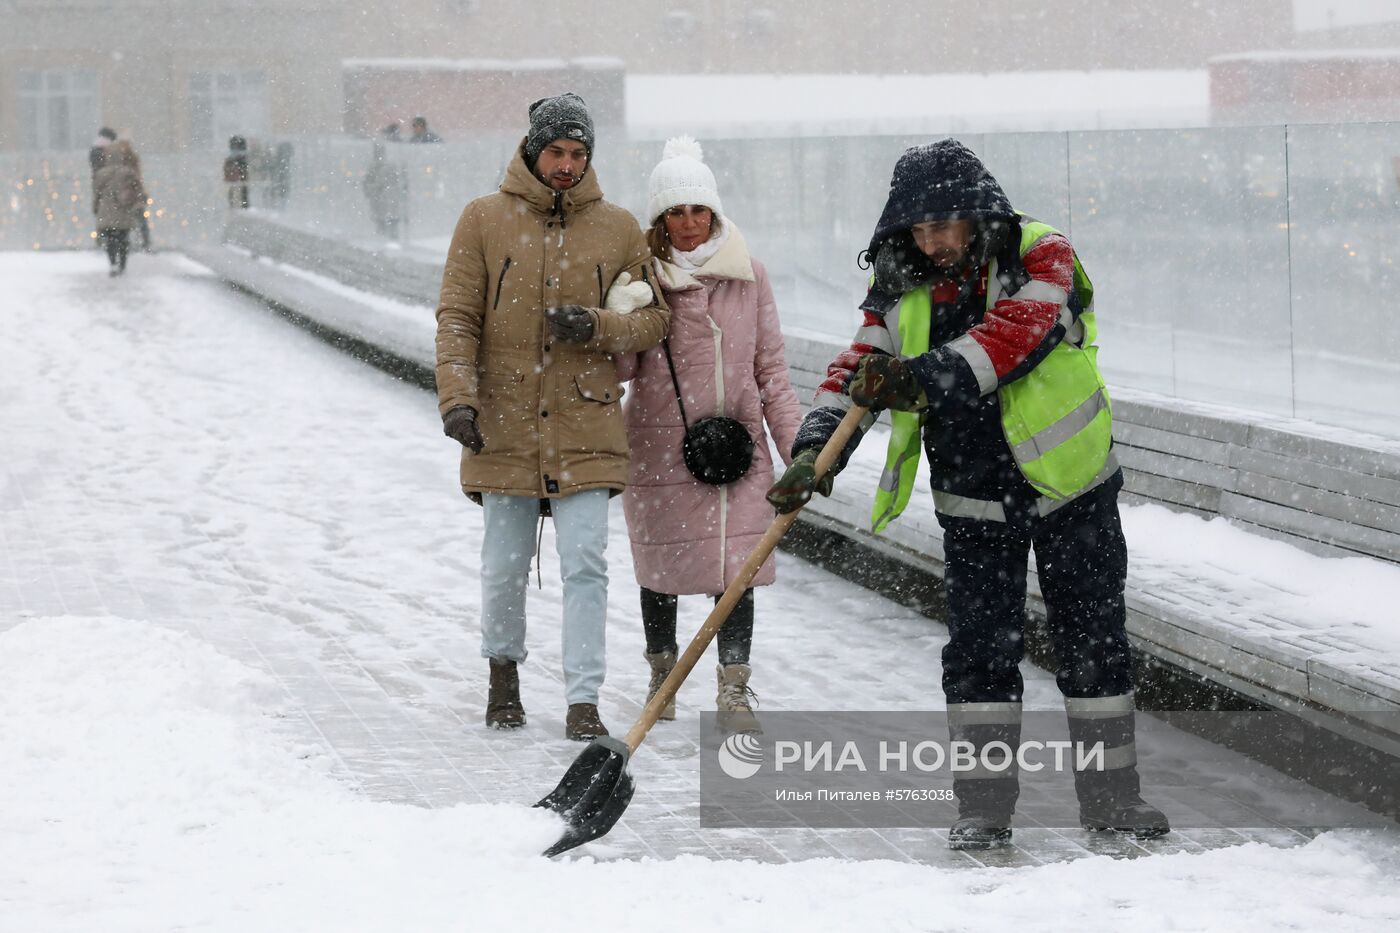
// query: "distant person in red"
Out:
[421,133]
[236,172]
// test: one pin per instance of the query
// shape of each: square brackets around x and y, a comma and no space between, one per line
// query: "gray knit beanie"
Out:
[562,117]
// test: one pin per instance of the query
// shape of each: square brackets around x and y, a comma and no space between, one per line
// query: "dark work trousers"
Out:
[116,243]
[735,635]
[1082,562]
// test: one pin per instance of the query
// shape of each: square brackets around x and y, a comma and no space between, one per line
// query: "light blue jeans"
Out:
[581,537]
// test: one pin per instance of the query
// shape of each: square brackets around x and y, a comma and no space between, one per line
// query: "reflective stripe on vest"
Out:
[906,427]
[1057,419]
[983,510]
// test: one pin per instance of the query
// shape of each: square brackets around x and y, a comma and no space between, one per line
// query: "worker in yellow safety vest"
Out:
[978,337]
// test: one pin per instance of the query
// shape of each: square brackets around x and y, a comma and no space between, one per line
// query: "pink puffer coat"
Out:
[727,344]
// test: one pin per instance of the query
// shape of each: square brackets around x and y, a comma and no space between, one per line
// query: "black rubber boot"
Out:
[986,798]
[1111,800]
[1109,790]
[1135,818]
[980,831]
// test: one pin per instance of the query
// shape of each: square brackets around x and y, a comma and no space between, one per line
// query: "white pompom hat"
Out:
[681,177]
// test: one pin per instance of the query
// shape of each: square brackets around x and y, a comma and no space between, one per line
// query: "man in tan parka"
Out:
[526,383]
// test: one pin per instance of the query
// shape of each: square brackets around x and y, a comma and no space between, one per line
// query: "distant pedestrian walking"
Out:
[140,216]
[236,172]
[105,137]
[386,188]
[421,133]
[117,196]
[279,169]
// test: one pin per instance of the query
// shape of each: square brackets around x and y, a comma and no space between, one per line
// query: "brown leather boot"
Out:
[581,723]
[503,709]
[661,663]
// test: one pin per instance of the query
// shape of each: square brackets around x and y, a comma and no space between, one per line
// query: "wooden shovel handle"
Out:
[687,661]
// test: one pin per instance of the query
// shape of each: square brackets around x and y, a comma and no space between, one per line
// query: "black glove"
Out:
[460,425]
[794,488]
[883,381]
[570,323]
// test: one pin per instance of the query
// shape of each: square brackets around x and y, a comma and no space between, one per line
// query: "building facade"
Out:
[167,74]
[178,74]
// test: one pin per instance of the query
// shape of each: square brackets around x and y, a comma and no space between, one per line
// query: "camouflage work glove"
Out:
[570,323]
[794,488]
[883,381]
[460,425]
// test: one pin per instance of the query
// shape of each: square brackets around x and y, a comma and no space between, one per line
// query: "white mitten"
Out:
[626,296]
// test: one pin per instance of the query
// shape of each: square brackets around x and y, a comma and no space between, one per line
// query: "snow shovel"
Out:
[597,787]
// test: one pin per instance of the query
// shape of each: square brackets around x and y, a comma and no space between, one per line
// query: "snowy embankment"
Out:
[146,788]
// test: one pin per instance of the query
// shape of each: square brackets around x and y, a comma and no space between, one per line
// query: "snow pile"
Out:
[146,788]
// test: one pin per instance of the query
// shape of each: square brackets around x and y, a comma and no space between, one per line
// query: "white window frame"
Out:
[226,103]
[59,108]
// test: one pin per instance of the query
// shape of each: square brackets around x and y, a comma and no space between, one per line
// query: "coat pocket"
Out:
[500,283]
[599,387]
[500,386]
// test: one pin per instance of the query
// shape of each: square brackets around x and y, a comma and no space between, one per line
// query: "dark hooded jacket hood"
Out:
[940,181]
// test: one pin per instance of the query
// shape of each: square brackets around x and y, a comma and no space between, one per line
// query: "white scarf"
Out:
[693,260]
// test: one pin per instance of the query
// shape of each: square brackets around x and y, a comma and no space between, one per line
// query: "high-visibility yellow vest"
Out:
[1057,418]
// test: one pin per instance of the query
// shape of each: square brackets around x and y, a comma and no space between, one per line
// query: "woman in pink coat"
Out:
[726,342]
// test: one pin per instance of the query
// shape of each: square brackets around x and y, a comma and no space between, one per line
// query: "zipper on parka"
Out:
[600,285]
[558,211]
[500,282]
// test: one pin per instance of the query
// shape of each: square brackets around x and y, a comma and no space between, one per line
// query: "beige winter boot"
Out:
[661,663]
[735,700]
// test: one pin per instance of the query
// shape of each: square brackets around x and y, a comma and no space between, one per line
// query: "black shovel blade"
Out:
[593,794]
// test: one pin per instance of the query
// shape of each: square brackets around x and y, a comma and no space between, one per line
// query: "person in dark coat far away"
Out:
[117,196]
[421,133]
[236,172]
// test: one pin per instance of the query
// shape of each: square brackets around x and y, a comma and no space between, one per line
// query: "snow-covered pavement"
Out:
[240,684]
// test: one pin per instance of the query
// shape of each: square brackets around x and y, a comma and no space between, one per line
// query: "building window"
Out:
[760,23]
[679,24]
[58,109]
[226,103]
